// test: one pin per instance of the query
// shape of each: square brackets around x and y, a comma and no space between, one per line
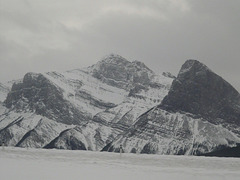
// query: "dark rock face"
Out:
[3,92]
[31,133]
[225,152]
[168,74]
[37,93]
[148,149]
[67,140]
[117,71]
[98,103]
[200,91]
[5,136]
[136,89]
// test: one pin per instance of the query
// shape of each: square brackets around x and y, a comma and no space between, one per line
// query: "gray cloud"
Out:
[61,35]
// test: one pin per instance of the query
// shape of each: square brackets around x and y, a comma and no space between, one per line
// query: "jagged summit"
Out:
[114,58]
[117,71]
[121,61]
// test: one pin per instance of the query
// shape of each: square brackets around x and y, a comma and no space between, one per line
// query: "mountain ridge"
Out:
[77,98]
[178,124]
[117,102]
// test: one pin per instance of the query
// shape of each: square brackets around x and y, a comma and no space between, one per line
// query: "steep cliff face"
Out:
[200,91]
[200,114]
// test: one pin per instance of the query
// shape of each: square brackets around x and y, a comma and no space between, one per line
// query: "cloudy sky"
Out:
[46,35]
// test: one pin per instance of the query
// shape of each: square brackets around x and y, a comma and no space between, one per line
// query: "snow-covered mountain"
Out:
[200,114]
[117,102]
[80,109]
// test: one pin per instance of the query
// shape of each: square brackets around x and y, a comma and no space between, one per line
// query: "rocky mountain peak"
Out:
[191,67]
[119,72]
[115,59]
[200,91]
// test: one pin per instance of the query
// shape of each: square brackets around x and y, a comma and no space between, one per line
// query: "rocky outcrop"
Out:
[67,140]
[168,74]
[117,71]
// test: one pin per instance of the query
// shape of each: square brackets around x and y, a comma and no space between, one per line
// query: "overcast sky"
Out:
[47,35]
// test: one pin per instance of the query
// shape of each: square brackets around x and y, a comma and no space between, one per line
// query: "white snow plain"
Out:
[42,164]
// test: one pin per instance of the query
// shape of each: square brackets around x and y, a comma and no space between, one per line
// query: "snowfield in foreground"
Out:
[39,164]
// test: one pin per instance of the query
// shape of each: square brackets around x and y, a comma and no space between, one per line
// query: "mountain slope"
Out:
[200,114]
[116,102]
[161,132]
[77,109]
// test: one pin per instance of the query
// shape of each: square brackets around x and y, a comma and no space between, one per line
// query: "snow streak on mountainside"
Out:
[162,132]
[28,129]
[116,102]
[200,114]
[78,109]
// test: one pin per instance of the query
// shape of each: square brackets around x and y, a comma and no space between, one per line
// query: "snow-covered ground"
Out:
[41,164]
